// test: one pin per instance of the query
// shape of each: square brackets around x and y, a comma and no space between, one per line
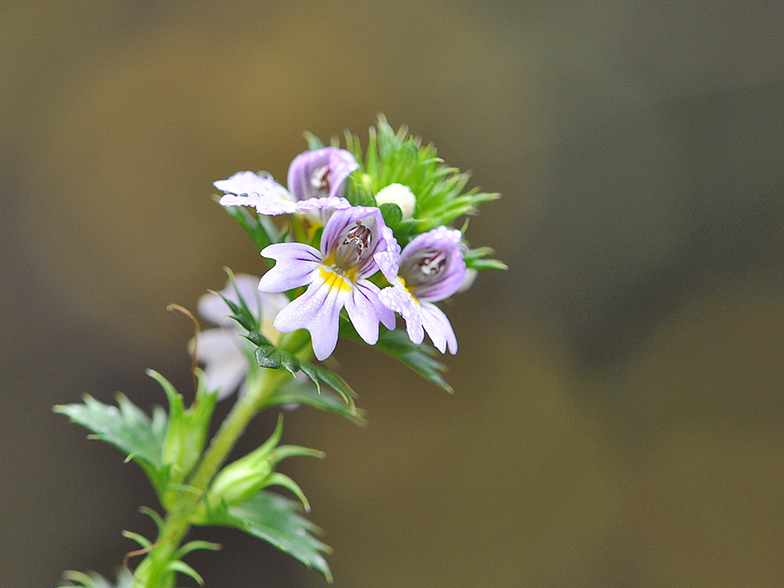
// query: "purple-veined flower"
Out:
[224,352]
[336,276]
[316,179]
[430,268]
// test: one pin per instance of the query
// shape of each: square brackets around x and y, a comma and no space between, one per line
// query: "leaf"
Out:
[129,428]
[318,375]
[306,393]
[392,214]
[269,356]
[186,431]
[475,259]
[278,521]
[419,358]
[183,568]
[93,580]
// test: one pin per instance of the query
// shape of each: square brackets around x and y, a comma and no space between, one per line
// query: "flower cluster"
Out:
[348,221]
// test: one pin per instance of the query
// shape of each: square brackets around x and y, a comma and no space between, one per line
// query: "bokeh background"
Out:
[617,420]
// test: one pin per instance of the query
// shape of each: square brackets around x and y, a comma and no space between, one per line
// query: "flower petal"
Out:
[261,191]
[321,172]
[318,311]
[225,363]
[295,265]
[213,308]
[398,299]
[367,218]
[438,327]
[427,281]
[312,204]
[365,311]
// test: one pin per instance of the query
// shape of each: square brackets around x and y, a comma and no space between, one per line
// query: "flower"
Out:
[225,353]
[400,195]
[336,276]
[431,268]
[317,181]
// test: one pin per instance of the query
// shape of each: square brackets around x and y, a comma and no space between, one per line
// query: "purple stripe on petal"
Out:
[432,264]
[320,173]
[318,311]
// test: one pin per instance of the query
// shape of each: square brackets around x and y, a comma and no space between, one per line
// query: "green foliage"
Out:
[93,580]
[475,259]
[419,358]
[260,228]
[186,432]
[277,520]
[305,392]
[129,429]
[244,478]
[399,158]
[166,447]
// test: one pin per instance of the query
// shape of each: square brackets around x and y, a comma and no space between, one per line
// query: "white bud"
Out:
[400,195]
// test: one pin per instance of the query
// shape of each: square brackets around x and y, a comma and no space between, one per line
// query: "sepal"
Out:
[244,478]
[476,259]
[396,157]
[186,431]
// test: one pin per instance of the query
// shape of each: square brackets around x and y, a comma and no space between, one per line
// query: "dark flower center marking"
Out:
[319,179]
[361,236]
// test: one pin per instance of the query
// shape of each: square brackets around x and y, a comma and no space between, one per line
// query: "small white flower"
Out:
[400,195]
[226,355]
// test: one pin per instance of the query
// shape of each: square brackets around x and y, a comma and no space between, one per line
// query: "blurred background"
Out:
[618,416]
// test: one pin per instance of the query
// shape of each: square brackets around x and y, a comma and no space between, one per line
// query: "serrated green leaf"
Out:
[306,393]
[420,358]
[186,430]
[475,259]
[481,265]
[127,428]
[269,356]
[319,375]
[313,141]
[278,521]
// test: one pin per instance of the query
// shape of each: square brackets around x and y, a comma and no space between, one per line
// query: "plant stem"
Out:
[154,571]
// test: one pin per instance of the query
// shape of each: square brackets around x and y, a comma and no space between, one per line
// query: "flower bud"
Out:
[241,480]
[400,195]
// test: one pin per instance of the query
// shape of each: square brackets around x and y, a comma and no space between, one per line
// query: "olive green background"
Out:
[617,420]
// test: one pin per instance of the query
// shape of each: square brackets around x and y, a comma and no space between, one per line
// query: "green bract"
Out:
[400,158]
[243,479]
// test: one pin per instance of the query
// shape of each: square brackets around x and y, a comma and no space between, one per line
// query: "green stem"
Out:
[154,571]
